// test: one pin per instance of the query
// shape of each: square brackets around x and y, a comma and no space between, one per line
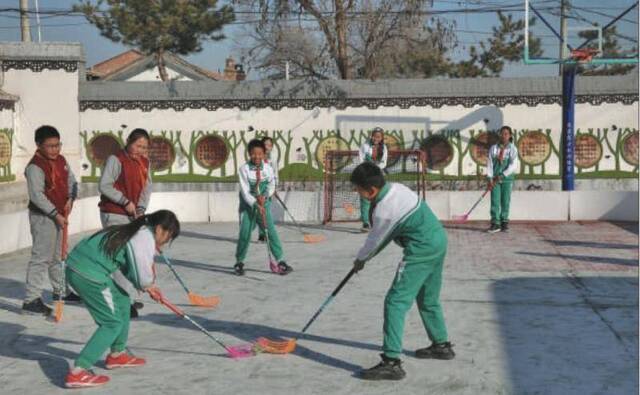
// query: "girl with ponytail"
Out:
[375,151]
[130,250]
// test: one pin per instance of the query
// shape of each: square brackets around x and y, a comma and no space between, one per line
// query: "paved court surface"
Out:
[544,309]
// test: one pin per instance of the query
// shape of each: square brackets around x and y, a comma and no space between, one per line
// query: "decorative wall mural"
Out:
[332,143]
[101,146]
[480,145]
[534,148]
[630,148]
[588,151]
[438,151]
[211,152]
[452,155]
[5,148]
[6,139]
[161,153]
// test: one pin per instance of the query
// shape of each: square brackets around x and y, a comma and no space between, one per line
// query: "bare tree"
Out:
[331,38]
[402,45]
[270,49]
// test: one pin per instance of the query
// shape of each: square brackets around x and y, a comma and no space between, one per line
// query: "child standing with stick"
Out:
[271,160]
[399,215]
[125,188]
[501,168]
[52,190]
[375,151]
[257,185]
[125,183]
[129,249]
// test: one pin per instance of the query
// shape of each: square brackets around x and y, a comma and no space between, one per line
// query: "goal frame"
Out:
[329,179]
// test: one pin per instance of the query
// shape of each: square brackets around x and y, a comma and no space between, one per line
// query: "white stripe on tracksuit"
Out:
[391,211]
[141,250]
[247,178]
[510,152]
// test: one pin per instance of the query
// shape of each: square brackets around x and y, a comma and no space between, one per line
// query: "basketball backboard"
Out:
[594,32]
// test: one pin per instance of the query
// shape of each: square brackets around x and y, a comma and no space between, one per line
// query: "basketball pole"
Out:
[568,125]
[563,53]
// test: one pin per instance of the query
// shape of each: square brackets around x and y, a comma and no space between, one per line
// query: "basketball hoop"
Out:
[584,55]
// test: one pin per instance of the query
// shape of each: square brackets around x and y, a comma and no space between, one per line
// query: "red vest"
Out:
[56,180]
[131,182]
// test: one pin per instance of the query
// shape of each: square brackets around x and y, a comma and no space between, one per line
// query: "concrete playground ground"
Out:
[549,308]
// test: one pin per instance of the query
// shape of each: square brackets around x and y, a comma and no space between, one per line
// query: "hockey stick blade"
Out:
[203,301]
[313,238]
[275,346]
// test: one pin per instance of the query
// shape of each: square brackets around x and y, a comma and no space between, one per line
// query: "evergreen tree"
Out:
[158,26]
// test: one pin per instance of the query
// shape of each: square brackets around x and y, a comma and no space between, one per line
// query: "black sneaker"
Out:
[495,228]
[133,312]
[284,268]
[262,238]
[504,227]
[387,369]
[36,307]
[138,305]
[436,351]
[365,228]
[70,298]
[238,268]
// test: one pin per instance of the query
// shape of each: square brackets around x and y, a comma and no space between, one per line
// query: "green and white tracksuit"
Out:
[367,154]
[255,181]
[503,162]
[400,215]
[89,272]
[272,161]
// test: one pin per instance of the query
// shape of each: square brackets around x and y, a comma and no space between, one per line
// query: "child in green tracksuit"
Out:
[257,185]
[501,168]
[400,215]
[375,151]
[130,249]
[272,160]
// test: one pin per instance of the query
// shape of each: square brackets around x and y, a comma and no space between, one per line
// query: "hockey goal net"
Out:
[342,202]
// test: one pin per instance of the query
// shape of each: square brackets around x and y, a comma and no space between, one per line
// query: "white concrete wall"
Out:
[307,207]
[48,97]
[190,207]
[302,123]
[604,205]
[6,119]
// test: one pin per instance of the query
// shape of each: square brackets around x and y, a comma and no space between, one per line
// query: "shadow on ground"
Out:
[11,289]
[203,236]
[592,244]
[631,227]
[477,227]
[51,359]
[585,258]
[228,270]
[248,333]
[557,345]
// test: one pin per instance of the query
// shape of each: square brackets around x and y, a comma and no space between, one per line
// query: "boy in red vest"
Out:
[52,189]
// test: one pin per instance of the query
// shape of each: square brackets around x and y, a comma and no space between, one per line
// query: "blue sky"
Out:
[471,28]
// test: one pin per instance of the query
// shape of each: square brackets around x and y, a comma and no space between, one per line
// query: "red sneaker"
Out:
[84,379]
[123,360]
